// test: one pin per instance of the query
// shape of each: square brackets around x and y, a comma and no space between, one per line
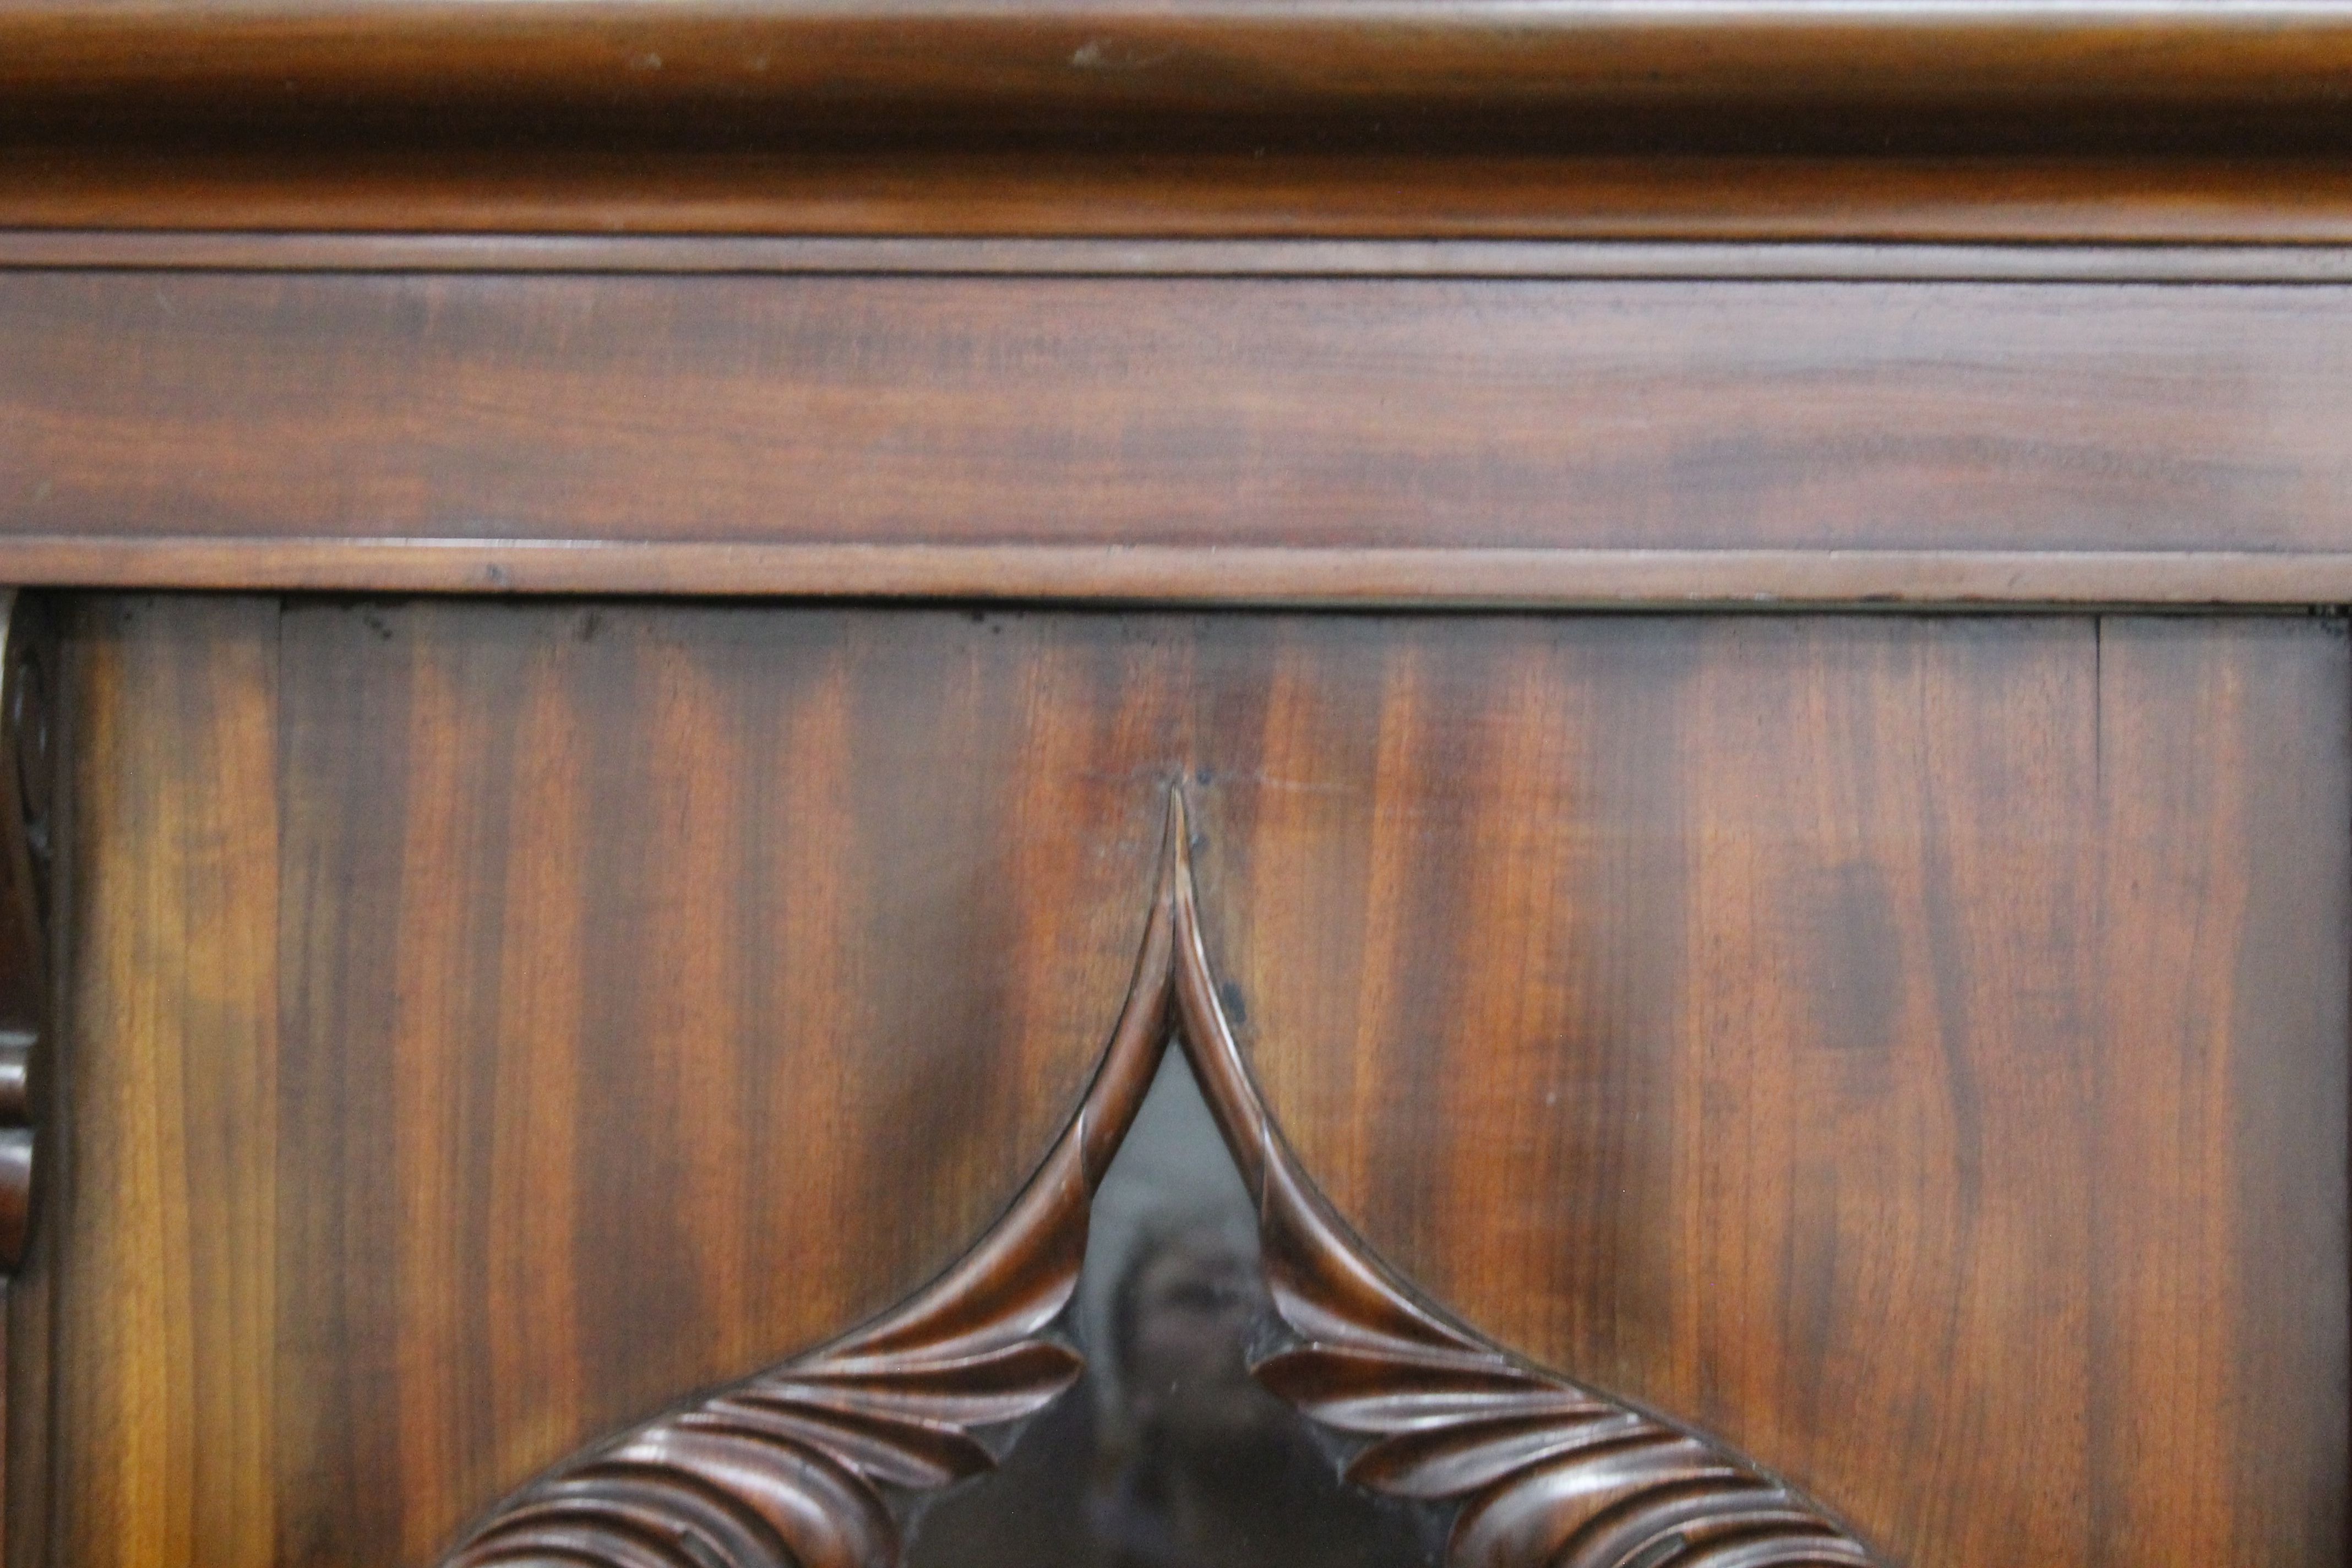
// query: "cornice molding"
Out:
[1640,75]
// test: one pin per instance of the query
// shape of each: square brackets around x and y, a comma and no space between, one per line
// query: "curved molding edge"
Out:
[811,1463]
[1447,577]
[27,676]
[1476,74]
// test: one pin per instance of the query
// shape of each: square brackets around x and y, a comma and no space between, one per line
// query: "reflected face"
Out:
[1169,1454]
[1196,1300]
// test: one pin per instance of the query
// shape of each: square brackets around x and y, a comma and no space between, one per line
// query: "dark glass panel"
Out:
[1166,1454]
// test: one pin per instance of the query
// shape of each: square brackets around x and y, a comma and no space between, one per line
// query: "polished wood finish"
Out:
[1147,436]
[27,787]
[29,814]
[814,1464]
[1412,73]
[511,190]
[800,1466]
[405,1165]
[2214,121]
[1911,1048]
[1162,257]
[165,1362]
[1890,1069]
[1225,575]
[1543,1470]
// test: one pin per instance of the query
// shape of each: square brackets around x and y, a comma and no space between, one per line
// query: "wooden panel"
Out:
[866,415]
[661,992]
[674,990]
[2213,1191]
[1912,1048]
[168,1265]
[1915,1050]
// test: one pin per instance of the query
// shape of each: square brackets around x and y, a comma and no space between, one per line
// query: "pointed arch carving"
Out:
[814,1463]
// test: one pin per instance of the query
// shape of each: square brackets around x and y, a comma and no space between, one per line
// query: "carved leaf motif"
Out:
[791,1466]
[1549,1474]
[801,1465]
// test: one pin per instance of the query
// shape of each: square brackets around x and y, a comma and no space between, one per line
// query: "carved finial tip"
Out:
[1180,821]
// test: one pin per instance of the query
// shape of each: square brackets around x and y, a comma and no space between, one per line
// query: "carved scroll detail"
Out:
[27,652]
[801,1465]
[809,1463]
[1549,1474]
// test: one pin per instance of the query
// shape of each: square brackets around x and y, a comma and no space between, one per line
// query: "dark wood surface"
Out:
[820,1459]
[2236,73]
[1908,1055]
[502,432]
[507,189]
[29,815]
[2219,121]
[1912,1049]
[1884,1039]
[384,1079]
[28,793]
[1848,260]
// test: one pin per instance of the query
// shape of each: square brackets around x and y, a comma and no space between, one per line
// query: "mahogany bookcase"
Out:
[683,677]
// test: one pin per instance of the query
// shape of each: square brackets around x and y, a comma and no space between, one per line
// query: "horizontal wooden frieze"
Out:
[1276,438]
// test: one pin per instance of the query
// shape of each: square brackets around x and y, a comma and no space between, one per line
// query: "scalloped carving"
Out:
[811,1463]
[27,654]
[814,1464]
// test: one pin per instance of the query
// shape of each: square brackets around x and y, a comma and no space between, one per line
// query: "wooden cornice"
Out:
[1774,76]
[320,180]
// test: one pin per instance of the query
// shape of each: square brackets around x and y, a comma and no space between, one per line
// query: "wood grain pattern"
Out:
[1912,1048]
[1435,73]
[1545,1471]
[800,1466]
[1274,576]
[809,1464]
[745,908]
[1881,1035]
[530,189]
[464,412]
[2210,1064]
[167,1274]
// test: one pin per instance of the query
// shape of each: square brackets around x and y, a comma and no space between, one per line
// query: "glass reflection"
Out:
[1166,1453]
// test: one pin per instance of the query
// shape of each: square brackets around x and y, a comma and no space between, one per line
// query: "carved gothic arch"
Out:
[813,1463]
